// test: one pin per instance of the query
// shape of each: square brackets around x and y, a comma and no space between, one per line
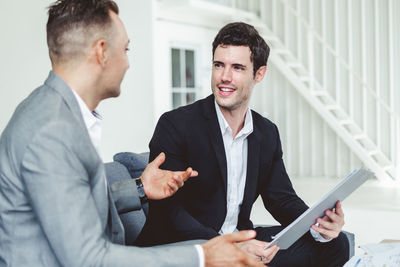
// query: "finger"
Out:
[240,236]
[265,253]
[191,173]
[187,174]
[271,253]
[178,180]
[332,216]
[325,232]
[183,175]
[326,224]
[173,186]
[159,160]
[259,243]
[325,218]
[168,192]
[339,209]
[194,173]
[252,261]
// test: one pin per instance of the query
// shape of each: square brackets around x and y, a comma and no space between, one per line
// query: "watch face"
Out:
[142,194]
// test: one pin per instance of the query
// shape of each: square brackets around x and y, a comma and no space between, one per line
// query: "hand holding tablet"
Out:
[302,224]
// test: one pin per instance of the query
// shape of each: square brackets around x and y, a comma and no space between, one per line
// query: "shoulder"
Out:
[45,106]
[185,115]
[263,124]
[42,115]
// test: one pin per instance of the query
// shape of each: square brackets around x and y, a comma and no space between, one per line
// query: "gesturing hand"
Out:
[222,251]
[159,184]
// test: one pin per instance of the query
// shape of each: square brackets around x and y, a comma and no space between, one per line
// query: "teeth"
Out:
[225,89]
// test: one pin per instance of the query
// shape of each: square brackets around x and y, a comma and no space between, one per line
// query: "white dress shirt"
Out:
[236,151]
[92,121]
[93,125]
[236,160]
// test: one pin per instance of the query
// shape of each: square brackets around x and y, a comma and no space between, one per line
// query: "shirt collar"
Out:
[90,118]
[224,126]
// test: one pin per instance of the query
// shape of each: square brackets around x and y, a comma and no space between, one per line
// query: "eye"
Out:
[237,67]
[217,65]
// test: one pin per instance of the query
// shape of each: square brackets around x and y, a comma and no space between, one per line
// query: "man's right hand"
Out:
[222,251]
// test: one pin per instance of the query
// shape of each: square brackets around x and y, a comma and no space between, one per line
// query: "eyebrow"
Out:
[236,65]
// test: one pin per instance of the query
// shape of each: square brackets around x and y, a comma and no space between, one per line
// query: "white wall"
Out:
[24,61]
[128,121]
[171,34]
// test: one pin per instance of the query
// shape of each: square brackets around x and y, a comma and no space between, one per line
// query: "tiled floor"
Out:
[372,212]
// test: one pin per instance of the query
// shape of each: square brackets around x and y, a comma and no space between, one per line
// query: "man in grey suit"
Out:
[56,208]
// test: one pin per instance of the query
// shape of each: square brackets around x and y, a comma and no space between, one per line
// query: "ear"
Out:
[260,74]
[100,48]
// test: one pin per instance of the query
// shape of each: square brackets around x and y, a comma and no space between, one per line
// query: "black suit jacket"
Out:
[191,136]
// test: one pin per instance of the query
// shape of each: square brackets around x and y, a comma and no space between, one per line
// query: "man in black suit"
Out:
[238,155]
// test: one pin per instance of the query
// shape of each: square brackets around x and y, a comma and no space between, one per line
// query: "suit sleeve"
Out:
[59,189]
[278,195]
[123,188]
[168,138]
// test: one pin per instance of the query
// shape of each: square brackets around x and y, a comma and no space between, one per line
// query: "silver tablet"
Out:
[285,238]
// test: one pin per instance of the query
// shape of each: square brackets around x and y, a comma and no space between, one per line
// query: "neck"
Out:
[235,118]
[79,80]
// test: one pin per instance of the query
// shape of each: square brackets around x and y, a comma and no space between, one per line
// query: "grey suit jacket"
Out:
[55,209]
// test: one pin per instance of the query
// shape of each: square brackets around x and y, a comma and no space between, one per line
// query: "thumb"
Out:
[159,159]
[240,236]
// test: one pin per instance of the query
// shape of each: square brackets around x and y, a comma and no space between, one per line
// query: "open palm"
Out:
[158,183]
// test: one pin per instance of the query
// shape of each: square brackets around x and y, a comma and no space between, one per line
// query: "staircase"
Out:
[340,122]
[325,105]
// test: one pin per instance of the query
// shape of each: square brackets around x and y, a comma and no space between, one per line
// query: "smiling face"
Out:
[232,77]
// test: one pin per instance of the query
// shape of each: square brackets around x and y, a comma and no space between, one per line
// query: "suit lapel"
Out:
[214,133]
[99,189]
[253,164]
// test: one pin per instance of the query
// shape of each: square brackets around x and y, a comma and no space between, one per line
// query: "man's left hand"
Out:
[332,223]
[158,183]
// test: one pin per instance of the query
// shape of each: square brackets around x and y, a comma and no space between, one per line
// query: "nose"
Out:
[227,75]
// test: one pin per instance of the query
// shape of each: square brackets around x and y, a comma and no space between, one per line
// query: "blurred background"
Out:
[332,86]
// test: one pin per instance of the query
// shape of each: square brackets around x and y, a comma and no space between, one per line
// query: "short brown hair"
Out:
[243,34]
[72,23]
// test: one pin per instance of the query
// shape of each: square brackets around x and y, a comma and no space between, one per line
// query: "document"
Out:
[379,255]
[302,224]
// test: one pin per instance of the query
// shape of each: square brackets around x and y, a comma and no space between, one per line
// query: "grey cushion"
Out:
[133,221]
[350,237]
[134,162]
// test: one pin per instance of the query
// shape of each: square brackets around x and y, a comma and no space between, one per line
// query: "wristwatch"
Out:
[140,189]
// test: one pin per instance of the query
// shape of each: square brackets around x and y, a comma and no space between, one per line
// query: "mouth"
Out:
[224,90]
